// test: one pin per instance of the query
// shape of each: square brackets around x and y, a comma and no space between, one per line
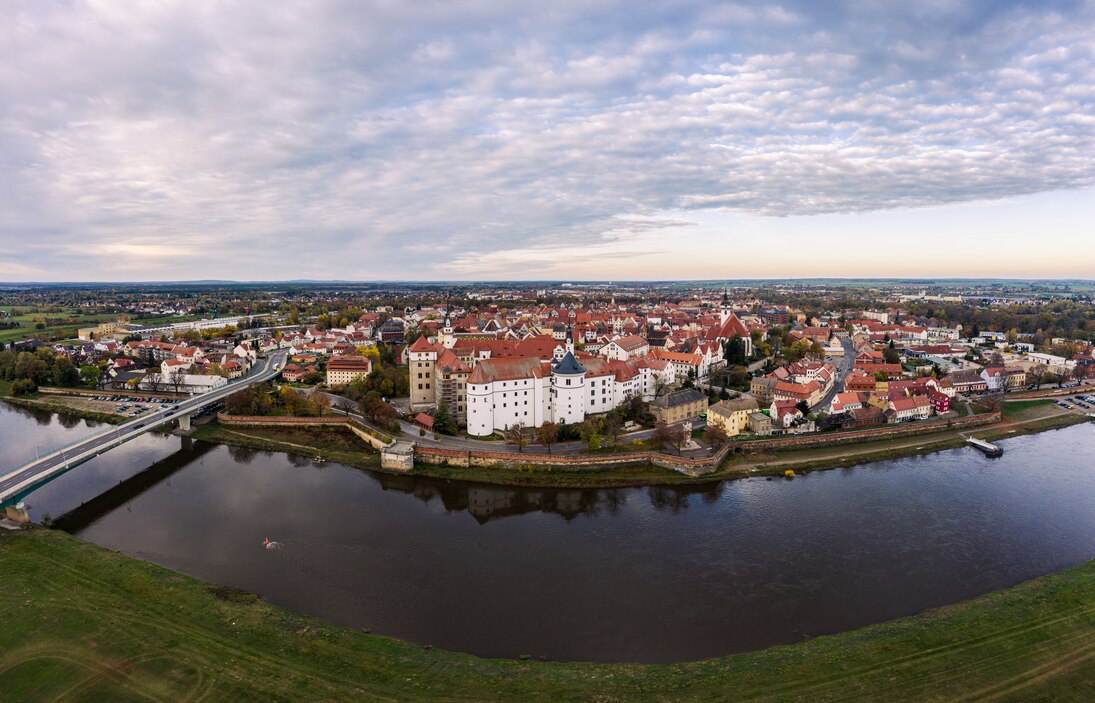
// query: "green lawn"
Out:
[83,623]
[1027,409]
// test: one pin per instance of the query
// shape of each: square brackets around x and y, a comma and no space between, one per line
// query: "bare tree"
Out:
[155,381]
[680,436]
[177,379]
[669,436]
[1036,374]
[715,435]
[515,435]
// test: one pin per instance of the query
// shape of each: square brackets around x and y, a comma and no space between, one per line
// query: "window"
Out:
[419,385]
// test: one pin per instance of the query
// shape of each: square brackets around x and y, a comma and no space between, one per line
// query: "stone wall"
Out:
[375,438]
[567,462]
[831,439]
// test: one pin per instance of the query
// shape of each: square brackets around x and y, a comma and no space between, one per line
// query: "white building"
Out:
[528,390]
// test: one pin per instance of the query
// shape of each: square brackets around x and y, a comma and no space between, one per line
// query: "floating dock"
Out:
[988,449]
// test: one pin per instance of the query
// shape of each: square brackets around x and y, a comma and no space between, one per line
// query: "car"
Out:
[138,426]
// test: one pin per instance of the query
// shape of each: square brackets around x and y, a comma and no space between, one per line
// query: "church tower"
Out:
[725,309]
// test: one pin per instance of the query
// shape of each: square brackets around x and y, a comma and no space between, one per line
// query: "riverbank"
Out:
[105,626]
[347,450]
[336,445]
[38,402]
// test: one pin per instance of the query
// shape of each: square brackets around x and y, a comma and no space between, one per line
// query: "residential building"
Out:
[679,406]
[731,415]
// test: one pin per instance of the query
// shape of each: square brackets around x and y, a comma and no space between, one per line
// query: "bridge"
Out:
[20,481]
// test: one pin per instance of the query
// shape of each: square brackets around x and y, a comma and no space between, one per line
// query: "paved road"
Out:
[843,367]
[57,461]
[410,433]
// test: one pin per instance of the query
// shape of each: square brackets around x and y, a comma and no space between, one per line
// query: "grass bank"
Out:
[39,402]
[85,623]
[328,443]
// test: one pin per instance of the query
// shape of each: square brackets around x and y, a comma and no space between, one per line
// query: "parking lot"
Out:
[1084,403]
[122,406]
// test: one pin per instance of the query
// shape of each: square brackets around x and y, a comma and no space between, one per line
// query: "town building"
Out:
[678,406]
[342,370]
[732,415]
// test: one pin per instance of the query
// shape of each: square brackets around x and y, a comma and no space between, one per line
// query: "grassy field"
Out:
[82,623]
[67,331]
[331,444]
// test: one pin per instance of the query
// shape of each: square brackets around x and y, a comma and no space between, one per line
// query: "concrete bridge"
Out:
[21,480]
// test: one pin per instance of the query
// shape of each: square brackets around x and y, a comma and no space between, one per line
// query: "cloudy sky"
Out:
[568,139]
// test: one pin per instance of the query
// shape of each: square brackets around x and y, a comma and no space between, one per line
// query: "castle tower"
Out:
[448,338]
[422,356]
[568,391]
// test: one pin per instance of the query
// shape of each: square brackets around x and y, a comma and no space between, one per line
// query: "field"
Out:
[67,330]
[82,623]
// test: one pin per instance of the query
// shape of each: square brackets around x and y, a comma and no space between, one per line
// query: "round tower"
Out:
[568,391]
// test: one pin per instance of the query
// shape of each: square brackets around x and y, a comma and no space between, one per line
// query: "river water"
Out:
[641,574]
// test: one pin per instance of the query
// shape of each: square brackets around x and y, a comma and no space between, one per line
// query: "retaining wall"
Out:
[366,433]
[905,429]
[564,462]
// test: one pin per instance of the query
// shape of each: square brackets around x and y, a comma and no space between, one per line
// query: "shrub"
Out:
[789,473]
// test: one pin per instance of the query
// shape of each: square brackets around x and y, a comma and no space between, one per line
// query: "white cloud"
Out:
[359,139]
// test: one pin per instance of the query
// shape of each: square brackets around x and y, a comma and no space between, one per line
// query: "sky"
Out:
[572,139]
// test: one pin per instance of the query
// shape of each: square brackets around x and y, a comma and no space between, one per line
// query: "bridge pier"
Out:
[184,423]
[17,513]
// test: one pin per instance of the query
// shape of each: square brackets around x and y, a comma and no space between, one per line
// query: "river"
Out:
[634,574]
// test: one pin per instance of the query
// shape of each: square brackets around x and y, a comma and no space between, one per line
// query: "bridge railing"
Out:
[122,428]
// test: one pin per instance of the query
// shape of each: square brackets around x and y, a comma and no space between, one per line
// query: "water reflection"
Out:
[633,574]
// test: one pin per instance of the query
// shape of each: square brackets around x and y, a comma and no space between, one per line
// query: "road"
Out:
[409,432]
[32,474]
[844,366]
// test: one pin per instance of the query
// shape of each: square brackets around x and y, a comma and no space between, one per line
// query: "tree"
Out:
[1060,375]
[715,435]
[442,419]
[668,436]
[1079,372]
[733,350]
[589,433]
[65,373]
[514,434]
[690,380]
[547,434]
[1036,374]
[89,376]
[803,407]
[177,379]
[891,355]
[613,428]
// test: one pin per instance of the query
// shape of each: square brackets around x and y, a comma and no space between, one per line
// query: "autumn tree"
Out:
[715,435]
[547,434]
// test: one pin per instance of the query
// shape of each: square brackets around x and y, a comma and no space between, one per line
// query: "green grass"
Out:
[42,402]
[1026,409]
[83,623]
[329,443]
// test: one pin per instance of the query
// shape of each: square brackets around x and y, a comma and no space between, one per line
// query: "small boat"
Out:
[989,450]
